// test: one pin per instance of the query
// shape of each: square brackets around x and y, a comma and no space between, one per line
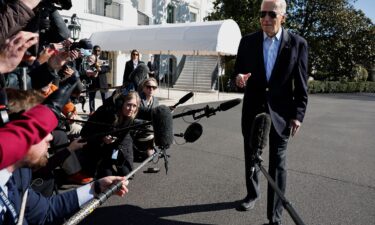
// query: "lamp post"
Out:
[74,27]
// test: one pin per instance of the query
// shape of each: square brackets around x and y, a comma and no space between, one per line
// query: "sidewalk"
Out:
[171,97]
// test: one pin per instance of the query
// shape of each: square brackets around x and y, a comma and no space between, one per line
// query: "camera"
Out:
[58,4]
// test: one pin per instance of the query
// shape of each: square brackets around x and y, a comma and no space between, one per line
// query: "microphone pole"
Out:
[286,204]
[258,140]
[97,201]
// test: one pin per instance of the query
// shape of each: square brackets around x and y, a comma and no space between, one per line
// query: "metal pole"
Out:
[24,78]
[218,76]
[99,200]
[168,75]
[287,205]
[194,70]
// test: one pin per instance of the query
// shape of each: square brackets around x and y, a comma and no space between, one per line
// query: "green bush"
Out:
[340,87]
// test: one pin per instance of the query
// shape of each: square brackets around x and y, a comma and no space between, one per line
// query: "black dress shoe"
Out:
[247,205]
[273,223]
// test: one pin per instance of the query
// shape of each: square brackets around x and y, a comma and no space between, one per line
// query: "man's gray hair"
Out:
[280,5]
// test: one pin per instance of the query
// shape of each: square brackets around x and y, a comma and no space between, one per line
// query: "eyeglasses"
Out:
[271,14]
[135,54]
[151,87]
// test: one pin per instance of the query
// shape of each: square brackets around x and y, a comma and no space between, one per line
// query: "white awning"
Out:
[202,38]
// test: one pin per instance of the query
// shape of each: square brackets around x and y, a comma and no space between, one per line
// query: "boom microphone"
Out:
[184,99]
[260,131]
[139,74]
[209,111]
[229,104]
[162,123]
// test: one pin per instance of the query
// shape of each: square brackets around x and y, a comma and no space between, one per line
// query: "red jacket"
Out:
[17,136]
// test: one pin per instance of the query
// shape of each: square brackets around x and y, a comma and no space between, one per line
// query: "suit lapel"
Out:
[260,52]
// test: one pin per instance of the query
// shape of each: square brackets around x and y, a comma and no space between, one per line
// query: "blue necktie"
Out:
[271,56]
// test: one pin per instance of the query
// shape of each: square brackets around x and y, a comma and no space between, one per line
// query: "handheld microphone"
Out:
[209,111]
[162,123]
[184,99]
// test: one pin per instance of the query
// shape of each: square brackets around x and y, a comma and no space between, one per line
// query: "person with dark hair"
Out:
[97,74]
[272,66]
[130,66]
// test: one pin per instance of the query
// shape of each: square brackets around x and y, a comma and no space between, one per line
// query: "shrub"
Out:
[340,87]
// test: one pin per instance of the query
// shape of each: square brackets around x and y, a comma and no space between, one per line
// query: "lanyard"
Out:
[9,205]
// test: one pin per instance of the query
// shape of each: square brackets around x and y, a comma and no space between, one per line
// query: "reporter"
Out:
[30,127]
[39,209]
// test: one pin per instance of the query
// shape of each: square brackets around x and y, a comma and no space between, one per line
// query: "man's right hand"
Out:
[14,49]
[241,79]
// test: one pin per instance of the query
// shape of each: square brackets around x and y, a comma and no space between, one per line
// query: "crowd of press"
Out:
[44,142]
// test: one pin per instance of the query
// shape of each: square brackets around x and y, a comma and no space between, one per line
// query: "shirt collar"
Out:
[4,176]
[278,34]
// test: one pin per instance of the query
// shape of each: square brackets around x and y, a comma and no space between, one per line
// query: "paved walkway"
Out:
[171,96]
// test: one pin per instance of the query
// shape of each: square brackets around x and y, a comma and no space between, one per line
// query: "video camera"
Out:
[57,4]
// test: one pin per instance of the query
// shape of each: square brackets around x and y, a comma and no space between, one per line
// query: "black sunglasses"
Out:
[271,14]
[149,87]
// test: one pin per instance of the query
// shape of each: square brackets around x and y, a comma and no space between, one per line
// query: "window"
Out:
[193,17]
[170,14]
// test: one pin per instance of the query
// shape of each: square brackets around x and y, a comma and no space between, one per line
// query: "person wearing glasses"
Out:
[97,75]
[271,65]
[144,146]
[130,66]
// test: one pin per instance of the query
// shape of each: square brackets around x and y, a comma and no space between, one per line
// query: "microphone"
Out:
[209,111]
[139,74]
[193,132]
[184,99]
[162,123]
[260,131]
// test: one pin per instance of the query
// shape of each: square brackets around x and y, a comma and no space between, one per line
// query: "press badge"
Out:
[115,154]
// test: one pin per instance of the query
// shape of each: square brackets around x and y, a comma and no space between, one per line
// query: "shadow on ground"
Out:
[130,214]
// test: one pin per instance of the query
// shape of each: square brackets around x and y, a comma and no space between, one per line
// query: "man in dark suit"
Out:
[98,77]
[130,66]
[15,191]
[272,65]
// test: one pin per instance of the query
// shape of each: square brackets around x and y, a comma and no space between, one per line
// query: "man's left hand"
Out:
[106,182]
[294,126]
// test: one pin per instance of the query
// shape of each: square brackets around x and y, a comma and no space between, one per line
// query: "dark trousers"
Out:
[276,169]
[92,95]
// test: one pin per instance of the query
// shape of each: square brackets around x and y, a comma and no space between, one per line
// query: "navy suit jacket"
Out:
[39,209]
[284,96]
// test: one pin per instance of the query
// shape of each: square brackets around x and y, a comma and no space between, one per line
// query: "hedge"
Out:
[340,86]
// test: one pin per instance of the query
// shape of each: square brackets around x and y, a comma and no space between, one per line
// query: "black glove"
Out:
[59,98]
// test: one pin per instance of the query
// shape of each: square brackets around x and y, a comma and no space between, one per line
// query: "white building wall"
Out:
[155,9]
